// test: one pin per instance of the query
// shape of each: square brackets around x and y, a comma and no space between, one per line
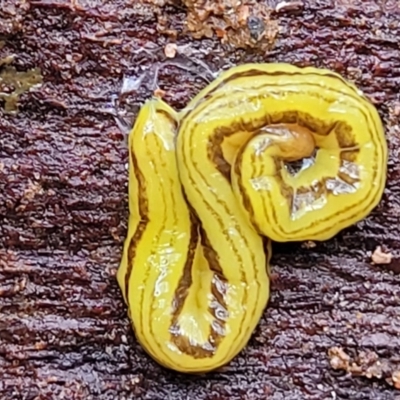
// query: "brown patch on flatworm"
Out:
[344,135]
[349,155]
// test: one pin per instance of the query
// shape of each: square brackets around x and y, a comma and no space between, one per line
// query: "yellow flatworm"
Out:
[211,186]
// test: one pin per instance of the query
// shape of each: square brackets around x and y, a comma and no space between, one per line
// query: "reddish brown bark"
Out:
[63,212]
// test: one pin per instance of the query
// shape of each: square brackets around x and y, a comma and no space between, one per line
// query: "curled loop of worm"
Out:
[265,152]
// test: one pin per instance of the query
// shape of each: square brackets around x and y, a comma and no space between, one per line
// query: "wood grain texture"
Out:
[63,213]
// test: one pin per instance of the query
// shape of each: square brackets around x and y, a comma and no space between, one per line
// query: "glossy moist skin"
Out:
[63,326]
[206,183]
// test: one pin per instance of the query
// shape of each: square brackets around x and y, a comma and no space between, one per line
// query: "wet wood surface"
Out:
[63,210]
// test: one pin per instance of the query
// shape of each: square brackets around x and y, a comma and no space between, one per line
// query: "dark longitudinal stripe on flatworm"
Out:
[144,219]
[215,153]
[217,289]
[185,282]
[246,201]
[143,208]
